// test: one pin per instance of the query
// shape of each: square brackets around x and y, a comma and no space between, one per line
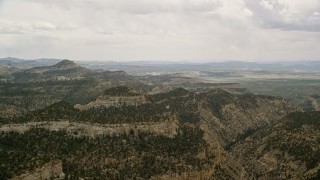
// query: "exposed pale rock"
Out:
[51,170]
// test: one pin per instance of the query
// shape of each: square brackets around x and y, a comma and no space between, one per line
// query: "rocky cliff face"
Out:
[51,170]
[166,128]
[109,101]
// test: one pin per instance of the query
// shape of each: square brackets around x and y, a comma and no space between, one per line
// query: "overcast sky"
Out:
[186,30]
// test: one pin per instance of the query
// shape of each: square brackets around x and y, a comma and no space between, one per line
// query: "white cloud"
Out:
[266,5]
[42,25]
[287,14]
[160,29]
[12,27]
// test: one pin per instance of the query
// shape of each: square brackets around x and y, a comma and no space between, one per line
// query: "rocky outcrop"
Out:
[315,101]
[51,170]
[108,101]
[166,128]
[116,96]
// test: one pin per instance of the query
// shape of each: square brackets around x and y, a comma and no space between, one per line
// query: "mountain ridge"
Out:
[303,65]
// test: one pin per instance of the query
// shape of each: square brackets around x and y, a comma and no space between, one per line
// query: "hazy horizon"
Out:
[155,61]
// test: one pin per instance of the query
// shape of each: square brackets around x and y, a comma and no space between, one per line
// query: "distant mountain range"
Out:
[22,63]
[157,66]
